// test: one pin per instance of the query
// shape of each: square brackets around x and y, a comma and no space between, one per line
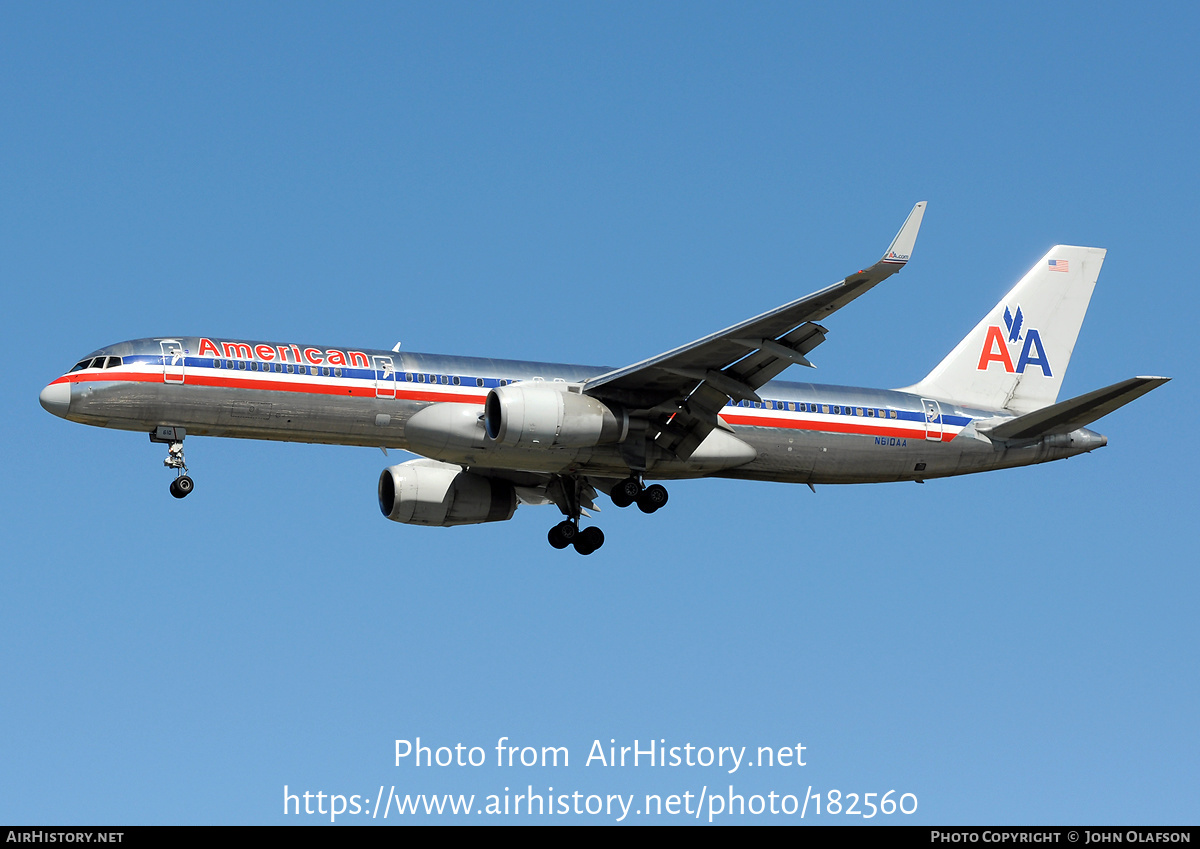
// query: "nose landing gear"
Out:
[181,486]
[173,438]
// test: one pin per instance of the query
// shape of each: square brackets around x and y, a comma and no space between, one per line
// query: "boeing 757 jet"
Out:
[493,434]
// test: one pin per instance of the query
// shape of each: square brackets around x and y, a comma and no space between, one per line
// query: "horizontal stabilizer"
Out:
[1074,413]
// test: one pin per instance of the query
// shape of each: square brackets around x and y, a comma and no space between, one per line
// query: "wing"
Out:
[679,393]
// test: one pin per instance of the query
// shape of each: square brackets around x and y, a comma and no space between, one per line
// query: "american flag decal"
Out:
[1059,265]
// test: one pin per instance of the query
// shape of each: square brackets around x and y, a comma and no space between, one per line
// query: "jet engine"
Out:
[541,415]
[426,492]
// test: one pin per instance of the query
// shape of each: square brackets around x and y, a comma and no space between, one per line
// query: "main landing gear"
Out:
[630,491]
[173,438]
[567,532]
[573,493]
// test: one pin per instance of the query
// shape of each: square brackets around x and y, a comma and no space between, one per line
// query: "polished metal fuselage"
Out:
[799,432]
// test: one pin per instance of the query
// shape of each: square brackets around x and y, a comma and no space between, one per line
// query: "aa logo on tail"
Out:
[998,347]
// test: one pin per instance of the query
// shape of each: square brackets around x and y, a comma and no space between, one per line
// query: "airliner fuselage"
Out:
[496,433]
[797,433]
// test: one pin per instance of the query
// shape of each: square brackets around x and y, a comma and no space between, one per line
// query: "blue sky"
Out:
[593,183]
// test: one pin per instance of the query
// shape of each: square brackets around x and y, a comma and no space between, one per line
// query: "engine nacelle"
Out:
[426,492]
[541,415]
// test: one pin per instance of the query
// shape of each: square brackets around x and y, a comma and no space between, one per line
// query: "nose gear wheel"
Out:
[173,437]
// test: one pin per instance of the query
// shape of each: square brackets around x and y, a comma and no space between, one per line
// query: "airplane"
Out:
[493,434]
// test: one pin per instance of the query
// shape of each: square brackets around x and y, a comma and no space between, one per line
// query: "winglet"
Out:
[902,246]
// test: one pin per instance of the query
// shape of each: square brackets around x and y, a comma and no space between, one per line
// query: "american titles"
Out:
[283,353]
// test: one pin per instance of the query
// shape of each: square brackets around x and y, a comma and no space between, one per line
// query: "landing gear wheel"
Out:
[625,492]
[652,498]
[589,540]
[173,437]
[562,534]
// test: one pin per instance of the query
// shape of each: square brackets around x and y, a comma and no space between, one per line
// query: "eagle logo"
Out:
[996,347]
[1014,324]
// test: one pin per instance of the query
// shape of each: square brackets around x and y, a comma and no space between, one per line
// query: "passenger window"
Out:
[216,363]
[337,372]
[420,378]
[858,411]
[457,382]
[479,381]
[870,412]
[290,368]
[408,376]
[891,414]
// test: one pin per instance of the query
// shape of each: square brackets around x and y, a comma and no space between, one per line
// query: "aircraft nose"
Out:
[56,398]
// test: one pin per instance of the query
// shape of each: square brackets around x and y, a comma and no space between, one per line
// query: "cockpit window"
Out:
[81,365]
[113,362]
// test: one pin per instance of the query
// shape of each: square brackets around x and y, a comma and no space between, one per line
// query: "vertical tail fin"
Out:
[1016,357]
